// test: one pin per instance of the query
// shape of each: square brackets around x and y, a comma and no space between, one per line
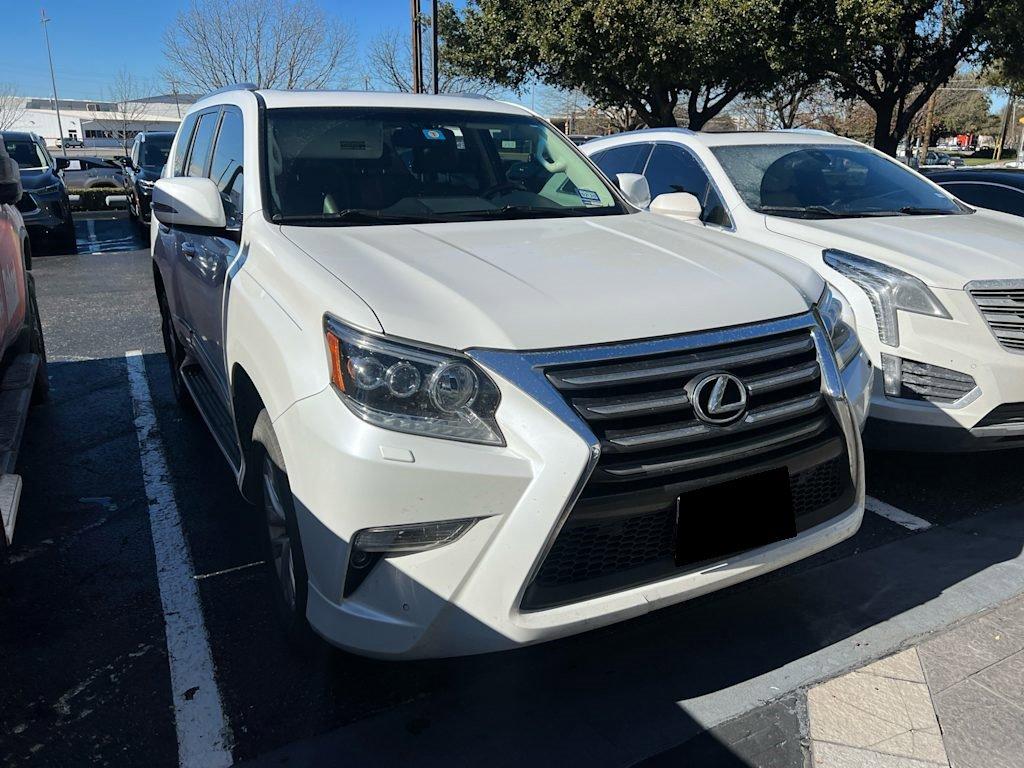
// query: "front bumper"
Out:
[466,597]
[981,420]
[49,216]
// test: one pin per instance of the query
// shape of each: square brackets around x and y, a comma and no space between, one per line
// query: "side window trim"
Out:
[181,158]
[224,112]
[219,111]
[712,184]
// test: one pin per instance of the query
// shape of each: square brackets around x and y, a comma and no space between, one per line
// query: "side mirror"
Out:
[188,202]
[62,163]
[635,188]
[10,181]
[678,205]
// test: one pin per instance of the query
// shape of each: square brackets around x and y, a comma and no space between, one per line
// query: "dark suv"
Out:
[144,165]
[44,205]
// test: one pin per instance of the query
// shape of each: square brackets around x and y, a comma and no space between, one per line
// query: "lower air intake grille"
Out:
[622,531]
[934,383]
[1001,303]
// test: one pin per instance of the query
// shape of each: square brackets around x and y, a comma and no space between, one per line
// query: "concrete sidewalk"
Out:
[955,699]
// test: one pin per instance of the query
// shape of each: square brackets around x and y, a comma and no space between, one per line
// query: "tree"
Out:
[125,120]
[389,64]
[894,54]
[12,106]
[271,43]
[648,55]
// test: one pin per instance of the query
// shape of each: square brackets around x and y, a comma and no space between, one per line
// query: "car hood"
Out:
[32,180]
[943,251]
[557,282]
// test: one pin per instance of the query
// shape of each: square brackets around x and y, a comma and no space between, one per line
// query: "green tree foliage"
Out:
[651,56]
[894,54]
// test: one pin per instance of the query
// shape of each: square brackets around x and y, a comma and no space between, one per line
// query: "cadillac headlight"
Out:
[888,290]
[413,389]
[837,317]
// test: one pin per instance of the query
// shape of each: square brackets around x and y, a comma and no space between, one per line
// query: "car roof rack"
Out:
[234,87]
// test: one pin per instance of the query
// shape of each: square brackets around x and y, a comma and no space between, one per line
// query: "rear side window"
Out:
[673,169]
[995,197]
[181,151]
[201,144]
[226,166]
[628,159]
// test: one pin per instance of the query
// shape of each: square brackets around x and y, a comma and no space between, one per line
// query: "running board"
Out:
[214,413]
[15,398]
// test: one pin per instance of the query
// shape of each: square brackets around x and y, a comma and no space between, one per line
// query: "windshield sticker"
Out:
[589,197]
[433,134]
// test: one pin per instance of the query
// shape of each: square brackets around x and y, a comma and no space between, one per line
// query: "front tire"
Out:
[37,345]
[174,353]
[286,563]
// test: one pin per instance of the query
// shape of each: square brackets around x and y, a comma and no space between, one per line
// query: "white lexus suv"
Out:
[480,399]
[937,287]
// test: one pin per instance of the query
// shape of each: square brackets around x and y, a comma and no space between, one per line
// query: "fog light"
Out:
[370,545]
[403,539]
[892,375]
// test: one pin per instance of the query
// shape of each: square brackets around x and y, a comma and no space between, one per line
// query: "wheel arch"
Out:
[246,405]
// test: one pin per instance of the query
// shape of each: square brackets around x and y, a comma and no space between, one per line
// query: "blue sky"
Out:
[93,39]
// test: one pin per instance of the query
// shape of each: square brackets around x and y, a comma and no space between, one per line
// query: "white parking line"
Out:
[204,737]
[898,516]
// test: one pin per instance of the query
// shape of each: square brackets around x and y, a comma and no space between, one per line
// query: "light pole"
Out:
[433,49]
[53,81]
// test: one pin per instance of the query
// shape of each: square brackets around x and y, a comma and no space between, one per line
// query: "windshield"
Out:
[25,153]
[155,150]
[338,166]
[828,181]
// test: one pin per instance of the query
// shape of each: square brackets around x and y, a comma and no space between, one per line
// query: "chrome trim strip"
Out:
[651,405]
[773,381]
[995,285]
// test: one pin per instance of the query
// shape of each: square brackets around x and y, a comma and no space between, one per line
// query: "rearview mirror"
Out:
[635,188]
[62,163]
[10,181]
[678,205]
[188,202]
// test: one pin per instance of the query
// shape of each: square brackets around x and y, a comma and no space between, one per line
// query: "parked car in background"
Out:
[22,350]
[997,189]
[44,205]
[582,138]
[145,164]
[481,400]
[93,173]
[69,143]
[937,287]
[944,160]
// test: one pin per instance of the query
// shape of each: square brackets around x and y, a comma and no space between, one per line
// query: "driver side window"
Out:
[673,169]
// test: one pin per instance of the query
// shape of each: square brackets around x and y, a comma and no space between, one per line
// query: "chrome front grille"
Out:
[622,528]
[1001,303]
[640,411]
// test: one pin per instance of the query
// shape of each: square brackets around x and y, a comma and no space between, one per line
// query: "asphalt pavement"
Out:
[84,675]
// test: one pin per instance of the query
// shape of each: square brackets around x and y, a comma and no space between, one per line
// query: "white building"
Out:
[102,123]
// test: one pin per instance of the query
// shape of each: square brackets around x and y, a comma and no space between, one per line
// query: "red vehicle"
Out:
[22,351]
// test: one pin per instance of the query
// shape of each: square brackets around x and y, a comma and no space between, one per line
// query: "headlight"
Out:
[888,290]
[411,389]
[837,317]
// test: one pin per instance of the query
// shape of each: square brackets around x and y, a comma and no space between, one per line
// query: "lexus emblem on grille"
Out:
[718,398]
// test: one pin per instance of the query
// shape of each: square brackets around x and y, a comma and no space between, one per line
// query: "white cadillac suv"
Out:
[480,399]
[937,287]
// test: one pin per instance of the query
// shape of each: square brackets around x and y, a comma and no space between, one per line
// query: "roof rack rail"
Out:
[812,131]
[234,87]
[467,95]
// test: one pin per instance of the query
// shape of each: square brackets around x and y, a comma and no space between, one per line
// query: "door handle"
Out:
[188,250]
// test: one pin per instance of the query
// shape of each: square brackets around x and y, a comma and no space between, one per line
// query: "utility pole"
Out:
[53,81]
[417,57]
[174,90]
[433,47]
[1005,126]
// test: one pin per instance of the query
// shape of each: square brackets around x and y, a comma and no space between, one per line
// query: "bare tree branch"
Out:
[389,67]
[12,106]
[125,119]
[272,43]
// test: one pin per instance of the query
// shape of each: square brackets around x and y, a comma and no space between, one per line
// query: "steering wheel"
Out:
[502,188]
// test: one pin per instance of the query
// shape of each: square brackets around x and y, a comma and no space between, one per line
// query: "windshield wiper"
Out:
[352,216]
[913,210]
[802,211]
[526,212]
